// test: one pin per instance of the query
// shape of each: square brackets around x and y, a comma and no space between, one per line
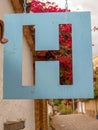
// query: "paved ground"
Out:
[75,122]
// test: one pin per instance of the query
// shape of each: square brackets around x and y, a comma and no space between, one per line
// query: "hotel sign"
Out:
[47,72]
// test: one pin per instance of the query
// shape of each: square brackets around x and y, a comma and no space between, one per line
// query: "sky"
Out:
[84,5]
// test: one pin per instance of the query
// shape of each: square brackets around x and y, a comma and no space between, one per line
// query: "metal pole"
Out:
[73,105]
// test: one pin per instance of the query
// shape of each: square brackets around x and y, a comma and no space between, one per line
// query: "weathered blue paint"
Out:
[47,72]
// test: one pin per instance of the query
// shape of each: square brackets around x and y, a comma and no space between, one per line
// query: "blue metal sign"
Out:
[47,72]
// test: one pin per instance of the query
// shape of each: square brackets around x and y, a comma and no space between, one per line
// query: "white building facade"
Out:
[16,110]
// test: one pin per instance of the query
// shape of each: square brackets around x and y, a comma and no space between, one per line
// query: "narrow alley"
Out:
[74,122]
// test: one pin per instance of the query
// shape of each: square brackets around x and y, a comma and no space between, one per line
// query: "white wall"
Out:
[81,107]
[50,110]
[13,110]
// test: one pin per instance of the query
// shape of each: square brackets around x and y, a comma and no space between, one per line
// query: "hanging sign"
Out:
[47,72]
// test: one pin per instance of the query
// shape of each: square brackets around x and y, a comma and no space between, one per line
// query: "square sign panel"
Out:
[47,72]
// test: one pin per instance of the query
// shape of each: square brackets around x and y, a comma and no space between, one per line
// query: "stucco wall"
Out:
[92,107]
[13,110]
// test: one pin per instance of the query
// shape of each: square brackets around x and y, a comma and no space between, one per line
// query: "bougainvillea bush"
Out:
[65,40]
